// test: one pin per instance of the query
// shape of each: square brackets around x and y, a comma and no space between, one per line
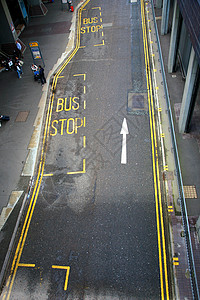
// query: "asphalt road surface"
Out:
[94,226]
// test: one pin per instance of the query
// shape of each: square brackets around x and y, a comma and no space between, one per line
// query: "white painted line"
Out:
[107,25]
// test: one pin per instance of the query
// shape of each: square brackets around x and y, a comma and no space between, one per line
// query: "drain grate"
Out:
[190,192]
[22,116]
[137,103]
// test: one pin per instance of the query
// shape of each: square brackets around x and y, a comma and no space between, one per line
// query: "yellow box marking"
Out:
[84,141]
[47,175]
[84,75]
[100,44]
[97,8]
[67,274]
[79,172]
[26,265]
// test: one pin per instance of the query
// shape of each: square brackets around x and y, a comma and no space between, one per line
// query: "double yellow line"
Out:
[164,286]
[29,214]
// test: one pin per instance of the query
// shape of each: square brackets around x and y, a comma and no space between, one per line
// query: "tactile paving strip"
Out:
[190,191]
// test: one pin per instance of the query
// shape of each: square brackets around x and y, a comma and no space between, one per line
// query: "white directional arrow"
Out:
[124,131]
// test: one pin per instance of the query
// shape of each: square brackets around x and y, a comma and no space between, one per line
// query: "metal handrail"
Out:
[193,276]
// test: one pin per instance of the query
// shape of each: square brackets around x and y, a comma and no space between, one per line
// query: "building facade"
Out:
[182,19]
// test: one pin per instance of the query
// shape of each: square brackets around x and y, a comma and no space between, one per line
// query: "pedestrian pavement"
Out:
[24,101]
[189,156]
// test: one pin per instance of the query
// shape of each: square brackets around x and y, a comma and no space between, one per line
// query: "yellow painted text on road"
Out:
[69,126]
[90,20]
[67,104]
[89,29]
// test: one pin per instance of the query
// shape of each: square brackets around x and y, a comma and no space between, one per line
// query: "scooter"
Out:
[4,118]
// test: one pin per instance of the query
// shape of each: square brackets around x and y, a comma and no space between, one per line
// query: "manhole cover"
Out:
[22,116]
[137,103]
[190,192]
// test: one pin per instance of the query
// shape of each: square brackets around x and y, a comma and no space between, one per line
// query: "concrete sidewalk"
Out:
[24,101]
[188,149]
[189,156]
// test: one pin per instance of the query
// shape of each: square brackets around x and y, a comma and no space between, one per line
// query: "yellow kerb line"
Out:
[160,231]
